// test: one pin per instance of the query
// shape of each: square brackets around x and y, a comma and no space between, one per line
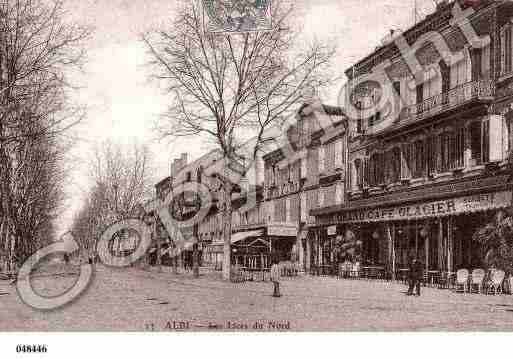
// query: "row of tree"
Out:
[122,178]
[39,51]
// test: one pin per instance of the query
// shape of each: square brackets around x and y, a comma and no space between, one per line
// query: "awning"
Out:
[431,209]
[432,192]
[239,236]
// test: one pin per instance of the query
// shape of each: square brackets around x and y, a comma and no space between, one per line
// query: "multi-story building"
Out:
[293,189]
[422,183]
[275,221]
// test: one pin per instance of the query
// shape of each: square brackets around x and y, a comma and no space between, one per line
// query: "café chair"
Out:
[461,280]
[495,283]
[477,280]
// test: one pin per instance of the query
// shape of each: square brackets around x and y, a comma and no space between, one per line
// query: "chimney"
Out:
[184,159]
[441,4]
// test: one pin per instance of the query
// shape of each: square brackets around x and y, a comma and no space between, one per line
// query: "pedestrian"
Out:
[415,276]
[275,278]
[419,276]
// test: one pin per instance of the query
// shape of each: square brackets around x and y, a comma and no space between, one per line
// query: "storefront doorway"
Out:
[467,252]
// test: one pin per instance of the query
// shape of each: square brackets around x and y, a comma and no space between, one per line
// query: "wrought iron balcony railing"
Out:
[457,96]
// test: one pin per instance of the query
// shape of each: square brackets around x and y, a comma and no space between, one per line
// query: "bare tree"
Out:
[38,49]
[230,87]
[122,178]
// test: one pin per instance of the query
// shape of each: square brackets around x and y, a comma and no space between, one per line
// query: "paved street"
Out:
[133,299]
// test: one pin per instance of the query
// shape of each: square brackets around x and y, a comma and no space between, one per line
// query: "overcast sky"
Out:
[123,104]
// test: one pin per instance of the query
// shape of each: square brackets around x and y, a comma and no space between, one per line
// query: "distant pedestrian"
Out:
[415,276]
[275,278]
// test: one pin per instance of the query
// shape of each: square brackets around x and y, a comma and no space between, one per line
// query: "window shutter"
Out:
[502,50]
[507,55]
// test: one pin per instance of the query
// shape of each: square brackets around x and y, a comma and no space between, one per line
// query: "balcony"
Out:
[481,90]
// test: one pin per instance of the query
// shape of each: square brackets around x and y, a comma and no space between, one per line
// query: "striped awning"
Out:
[237,237]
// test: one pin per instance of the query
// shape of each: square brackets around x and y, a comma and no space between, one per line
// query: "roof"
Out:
[441,9]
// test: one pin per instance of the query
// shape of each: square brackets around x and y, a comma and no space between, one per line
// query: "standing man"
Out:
[419,275]
[275,278]
[414,277]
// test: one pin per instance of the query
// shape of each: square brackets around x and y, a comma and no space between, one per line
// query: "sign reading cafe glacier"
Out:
[452,206]
[237,15]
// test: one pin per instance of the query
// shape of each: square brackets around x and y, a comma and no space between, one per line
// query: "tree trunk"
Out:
[159,247]
[195,264]
[227,230]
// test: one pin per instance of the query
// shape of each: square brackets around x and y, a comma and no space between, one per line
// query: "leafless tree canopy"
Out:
[232,87]
[38,50]
[122,178]
[220,84]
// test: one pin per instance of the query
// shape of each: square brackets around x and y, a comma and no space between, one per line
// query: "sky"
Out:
[123,104]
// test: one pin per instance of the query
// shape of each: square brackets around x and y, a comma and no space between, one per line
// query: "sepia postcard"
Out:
[255,166]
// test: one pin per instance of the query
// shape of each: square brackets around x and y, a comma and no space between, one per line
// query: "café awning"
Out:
[239,236]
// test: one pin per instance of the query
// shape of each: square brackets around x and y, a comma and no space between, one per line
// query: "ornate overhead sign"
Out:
[453,206]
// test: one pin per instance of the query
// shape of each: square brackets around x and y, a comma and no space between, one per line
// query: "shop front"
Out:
[438,232]
[283,241]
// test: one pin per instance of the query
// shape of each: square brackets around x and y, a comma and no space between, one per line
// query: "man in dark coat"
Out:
[415,276]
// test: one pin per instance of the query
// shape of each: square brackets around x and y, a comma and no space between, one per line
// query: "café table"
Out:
[433,276]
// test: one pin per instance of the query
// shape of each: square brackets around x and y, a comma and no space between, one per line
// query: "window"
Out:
[329,160]
[420,93]
[431,154]
[477,66]
[397,87]
[459,71]
[294,208]
[393,165]
[359,128]
[280,210]
[312,164]
[505,46]
[408,161]
[478,137]
[458,154]
[313,200]
[446,140]
[376,170]
[419,164]
[485,62]
[358,168]
[329,195]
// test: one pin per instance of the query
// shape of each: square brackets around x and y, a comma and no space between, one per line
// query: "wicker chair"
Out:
[355,270]
[495,283]
[461,280]
[477,280]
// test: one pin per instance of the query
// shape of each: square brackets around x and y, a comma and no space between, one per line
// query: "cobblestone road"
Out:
[135,300]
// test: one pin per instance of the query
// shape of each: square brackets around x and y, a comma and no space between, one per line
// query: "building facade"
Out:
[275,220]
[422,183]
[293,189]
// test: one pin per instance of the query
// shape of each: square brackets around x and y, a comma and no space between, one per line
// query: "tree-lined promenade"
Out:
[39,48]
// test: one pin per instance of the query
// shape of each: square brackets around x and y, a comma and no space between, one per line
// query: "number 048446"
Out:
[31,348]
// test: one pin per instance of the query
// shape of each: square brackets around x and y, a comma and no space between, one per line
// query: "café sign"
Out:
[453,206]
